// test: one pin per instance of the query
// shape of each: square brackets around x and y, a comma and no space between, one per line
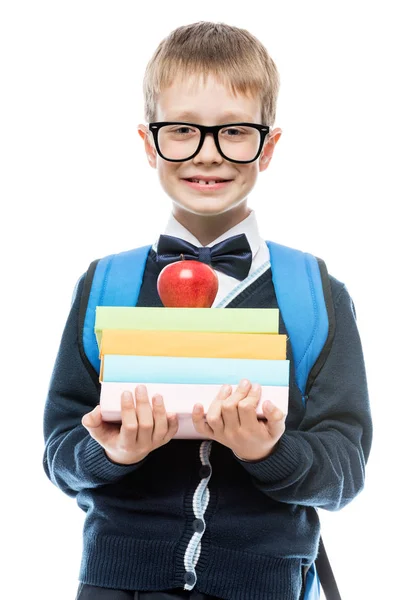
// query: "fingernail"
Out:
[158,400]
[141,389]
[243,384]
[270,407]
[255,387]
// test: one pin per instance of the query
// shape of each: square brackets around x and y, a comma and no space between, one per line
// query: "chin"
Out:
[205,210]
[206,205]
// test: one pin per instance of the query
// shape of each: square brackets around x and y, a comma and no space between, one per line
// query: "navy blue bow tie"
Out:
[231,256]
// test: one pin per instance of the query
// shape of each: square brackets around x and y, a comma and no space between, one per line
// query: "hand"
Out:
[232,421]
[139,433]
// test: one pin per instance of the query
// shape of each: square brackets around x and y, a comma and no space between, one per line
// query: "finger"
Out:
[214,414]
[247,408]
[92,419]
[229,408]
[275,418]
[160,419]
[242,390]
[144,415]
[231,404]
[129,424]
[97,428]
[199,422]
[173,426]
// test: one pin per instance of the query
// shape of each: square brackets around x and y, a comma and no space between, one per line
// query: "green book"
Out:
[234,320]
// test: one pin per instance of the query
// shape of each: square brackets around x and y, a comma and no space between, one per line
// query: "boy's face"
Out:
[209,103]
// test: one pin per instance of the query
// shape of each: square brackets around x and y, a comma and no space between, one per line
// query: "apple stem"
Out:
[182,257]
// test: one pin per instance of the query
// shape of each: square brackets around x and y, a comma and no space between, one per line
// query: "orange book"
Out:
[205,344]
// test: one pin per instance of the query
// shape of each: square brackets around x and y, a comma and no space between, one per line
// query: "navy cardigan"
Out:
[192,514]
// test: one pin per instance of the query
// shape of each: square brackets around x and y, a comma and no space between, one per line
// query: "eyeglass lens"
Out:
[178,142]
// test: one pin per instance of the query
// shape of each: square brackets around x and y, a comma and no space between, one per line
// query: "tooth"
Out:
[203,182]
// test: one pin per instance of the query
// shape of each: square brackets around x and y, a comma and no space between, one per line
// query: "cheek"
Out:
[248,174]
[167,172]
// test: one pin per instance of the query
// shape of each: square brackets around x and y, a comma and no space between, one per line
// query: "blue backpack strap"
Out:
[304,298]
[312,590]
[114,280]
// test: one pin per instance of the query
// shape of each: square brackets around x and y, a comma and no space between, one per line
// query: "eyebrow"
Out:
[227,117]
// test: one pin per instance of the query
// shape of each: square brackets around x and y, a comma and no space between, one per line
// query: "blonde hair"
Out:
[234,56]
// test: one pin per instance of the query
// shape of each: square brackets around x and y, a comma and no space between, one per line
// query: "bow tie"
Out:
[232,256]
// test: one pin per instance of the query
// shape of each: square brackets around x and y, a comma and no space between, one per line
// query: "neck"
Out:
[207,228]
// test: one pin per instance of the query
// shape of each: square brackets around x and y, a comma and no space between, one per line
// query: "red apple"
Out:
[187,283]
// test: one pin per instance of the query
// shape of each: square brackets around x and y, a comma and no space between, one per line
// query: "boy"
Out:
[233,516]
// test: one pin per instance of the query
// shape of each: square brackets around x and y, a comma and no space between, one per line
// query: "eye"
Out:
[234,131]
[182,130]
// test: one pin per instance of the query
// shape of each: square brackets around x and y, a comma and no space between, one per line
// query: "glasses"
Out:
[178,141]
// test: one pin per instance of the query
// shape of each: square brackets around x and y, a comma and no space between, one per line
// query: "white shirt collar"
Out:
[248,226]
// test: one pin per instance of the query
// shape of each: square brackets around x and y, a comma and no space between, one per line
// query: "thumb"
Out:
[92,419]
[275,417]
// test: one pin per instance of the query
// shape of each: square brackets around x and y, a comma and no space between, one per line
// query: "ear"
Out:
[269,148]
[149,147]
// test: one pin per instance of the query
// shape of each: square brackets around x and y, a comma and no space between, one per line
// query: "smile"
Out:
[209,185]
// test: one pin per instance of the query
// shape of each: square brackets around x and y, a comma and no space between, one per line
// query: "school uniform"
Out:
[192,520]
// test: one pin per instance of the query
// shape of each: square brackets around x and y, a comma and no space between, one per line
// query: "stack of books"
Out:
[187,354]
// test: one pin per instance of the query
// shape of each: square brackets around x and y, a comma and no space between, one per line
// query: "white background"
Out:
[75,186]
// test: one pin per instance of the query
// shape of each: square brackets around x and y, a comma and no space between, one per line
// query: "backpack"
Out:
[304,298]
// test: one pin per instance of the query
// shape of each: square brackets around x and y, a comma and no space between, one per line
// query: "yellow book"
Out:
[193,344]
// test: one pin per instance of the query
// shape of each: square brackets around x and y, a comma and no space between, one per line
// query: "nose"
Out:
[209,151]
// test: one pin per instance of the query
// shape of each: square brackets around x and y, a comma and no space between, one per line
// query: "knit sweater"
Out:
[192,514]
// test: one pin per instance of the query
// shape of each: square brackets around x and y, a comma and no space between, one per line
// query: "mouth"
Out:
[212,184]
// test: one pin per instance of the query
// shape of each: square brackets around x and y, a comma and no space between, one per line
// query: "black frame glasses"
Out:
[204,129]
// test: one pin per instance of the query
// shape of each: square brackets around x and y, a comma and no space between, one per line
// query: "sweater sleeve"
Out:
[322,463]
[73,460]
